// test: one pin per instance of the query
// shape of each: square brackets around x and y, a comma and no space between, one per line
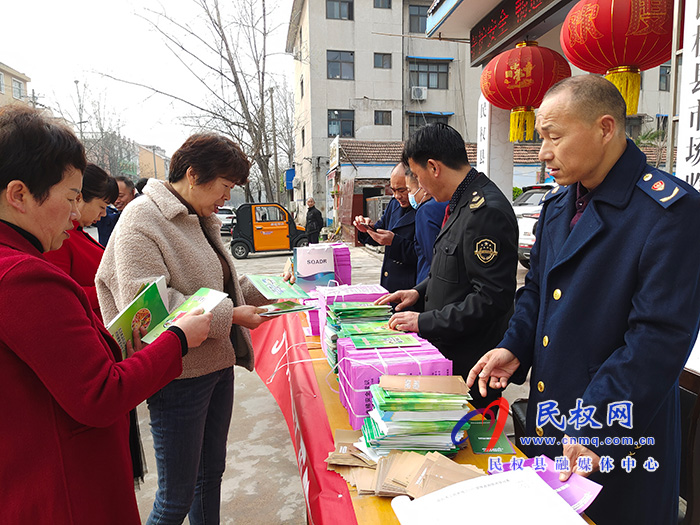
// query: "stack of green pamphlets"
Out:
[417,420]
[365,328]
[345,319]
[356,310]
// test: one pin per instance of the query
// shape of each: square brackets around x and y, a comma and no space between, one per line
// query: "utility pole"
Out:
[155,169]
[80,111]
[274,144]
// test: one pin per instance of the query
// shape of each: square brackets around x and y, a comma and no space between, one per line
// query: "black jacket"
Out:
[314,220]
[400,258]
[468,296]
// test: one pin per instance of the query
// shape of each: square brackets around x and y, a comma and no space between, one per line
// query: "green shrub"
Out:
[517,192]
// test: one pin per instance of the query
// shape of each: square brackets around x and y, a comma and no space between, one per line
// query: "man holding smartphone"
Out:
[396,232]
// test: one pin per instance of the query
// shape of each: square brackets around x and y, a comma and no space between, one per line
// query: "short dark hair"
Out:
[36,150]
[141,184]
[592,96]
[210,156]
[97,184]
[127,182]
[436,141]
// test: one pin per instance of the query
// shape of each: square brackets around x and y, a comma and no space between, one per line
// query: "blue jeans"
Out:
[190,419]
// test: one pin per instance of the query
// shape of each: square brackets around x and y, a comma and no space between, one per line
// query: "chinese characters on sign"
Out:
[580,416]
[688,152]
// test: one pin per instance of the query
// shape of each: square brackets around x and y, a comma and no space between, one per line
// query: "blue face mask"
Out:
[412,200]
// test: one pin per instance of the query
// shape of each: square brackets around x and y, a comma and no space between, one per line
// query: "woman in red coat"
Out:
[80,254]
[64,388]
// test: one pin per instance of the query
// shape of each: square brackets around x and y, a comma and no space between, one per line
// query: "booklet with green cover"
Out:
[148,307]
[284,307]
[383,341]
[205,298]
[275,287]
[479,436]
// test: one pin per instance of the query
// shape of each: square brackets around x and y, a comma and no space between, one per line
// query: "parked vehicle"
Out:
[264,227]
[527,207]
[530,200]
[227,217]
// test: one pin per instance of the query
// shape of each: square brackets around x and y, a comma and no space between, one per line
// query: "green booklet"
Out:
[148,307]
[479,436]
[275,287]
[367,328]
[383,341]
[284,307]
[205,298]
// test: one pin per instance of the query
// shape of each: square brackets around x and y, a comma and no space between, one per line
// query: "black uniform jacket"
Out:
[468,296]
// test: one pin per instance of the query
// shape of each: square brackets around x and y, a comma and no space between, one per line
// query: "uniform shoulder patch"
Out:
[476,199]
[551,193]
[486,250]
[660,187]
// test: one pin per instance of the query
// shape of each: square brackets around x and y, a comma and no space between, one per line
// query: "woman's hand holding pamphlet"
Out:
[149,310]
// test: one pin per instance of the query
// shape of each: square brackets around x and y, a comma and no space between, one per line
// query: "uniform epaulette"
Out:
[660,187]
[551,193]
[477,199]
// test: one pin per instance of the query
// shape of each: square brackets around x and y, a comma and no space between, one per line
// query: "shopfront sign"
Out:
[688,156]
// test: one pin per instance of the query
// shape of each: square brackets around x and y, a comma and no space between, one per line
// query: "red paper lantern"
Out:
[518,79]
[619,38]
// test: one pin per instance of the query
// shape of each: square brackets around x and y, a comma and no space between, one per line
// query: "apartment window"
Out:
[417,18]
[665,78]
[17,88]
[430,74]
[303,139]
[2,82]
[382,118]
[341,64]
[301,87]
[418,120]
[339,9]
[382,4]
[341,122]
[382,60]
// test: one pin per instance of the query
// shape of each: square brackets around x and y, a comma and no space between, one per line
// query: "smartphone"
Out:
[370,227]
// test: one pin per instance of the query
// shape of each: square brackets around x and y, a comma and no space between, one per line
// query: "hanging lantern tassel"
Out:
[628,81]
[522,123]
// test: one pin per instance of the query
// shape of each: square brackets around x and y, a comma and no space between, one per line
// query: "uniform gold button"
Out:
[386,274]
[545,340]
[539,431]
[540,386]
[557,294]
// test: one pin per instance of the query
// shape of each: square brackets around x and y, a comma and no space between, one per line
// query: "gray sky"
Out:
[58,42]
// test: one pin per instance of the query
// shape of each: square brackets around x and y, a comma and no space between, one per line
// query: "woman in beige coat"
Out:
[173,231]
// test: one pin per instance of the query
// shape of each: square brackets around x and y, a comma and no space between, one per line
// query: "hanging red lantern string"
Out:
[517,80]
[619,38]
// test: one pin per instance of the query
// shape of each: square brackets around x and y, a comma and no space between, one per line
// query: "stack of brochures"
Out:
[363,359]
[328,295]
[416,413]
[341,314]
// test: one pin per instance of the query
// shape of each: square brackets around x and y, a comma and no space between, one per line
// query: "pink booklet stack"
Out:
[360,368]
[341,261]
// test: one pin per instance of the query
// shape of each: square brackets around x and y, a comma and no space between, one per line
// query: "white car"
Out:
[527,207]
[227,217]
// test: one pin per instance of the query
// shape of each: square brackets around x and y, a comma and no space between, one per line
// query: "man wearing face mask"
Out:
[429,215]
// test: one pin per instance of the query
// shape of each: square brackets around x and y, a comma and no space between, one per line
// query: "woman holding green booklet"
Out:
[65,390]
[172,231]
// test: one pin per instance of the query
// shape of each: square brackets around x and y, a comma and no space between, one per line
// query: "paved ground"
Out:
[261,484]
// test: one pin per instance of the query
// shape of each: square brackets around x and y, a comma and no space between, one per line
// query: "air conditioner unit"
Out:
[419,93]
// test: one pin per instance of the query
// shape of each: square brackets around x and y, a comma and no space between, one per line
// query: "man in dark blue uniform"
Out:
[609,310]
[396,232]
[467,299]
